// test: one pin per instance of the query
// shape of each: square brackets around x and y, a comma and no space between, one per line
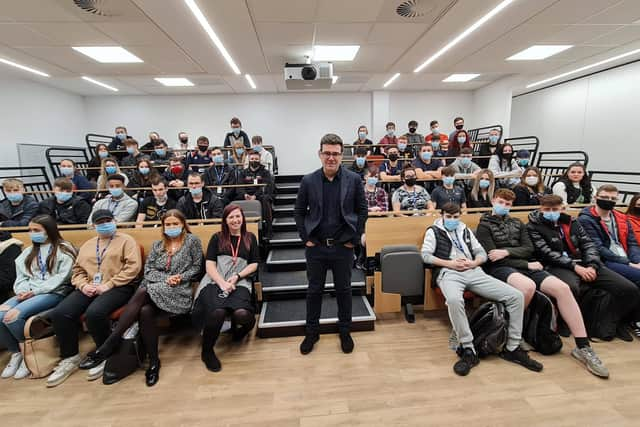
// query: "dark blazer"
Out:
[353,204]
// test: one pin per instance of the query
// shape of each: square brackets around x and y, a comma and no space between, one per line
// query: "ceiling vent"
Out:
[97,7]
[413,9]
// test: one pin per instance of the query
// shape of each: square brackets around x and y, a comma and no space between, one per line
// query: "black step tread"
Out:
[273,281]
[285,255]
[282,313]
[285,237]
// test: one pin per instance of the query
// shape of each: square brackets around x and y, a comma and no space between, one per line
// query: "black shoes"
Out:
[522,358]
[92,360]
[152,374]
[307,344]
[346,342]
[468,359]
[211,361]
[621,332]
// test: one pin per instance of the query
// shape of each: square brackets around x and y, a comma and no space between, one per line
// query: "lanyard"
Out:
[218,176]
[115,204]
[100,255]
[42,264]
[234,253]
[614,230]
[456,242]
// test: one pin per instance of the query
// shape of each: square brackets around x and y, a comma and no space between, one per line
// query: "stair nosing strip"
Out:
[299,287]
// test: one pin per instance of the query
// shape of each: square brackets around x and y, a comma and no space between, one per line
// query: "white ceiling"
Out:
[261,35]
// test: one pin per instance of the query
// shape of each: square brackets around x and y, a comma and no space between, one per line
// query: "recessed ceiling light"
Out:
[388,82]
[95,82]
[537,52]
[23,67]
[586,67]
[464,34]
[108,54]
[334,79]
[460,78]
[334,53]
[250,80]
[212,34]
[174,81]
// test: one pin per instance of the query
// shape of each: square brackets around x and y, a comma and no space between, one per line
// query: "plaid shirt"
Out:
[377,198]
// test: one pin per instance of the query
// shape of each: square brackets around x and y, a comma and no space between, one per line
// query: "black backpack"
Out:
[489,327]
[540,325]
[599,314]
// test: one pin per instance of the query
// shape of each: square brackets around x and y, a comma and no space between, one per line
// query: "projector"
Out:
[308,76]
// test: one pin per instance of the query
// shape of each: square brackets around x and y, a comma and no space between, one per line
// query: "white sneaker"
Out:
[22,372]
[12,366]
[95,373]
[65,368]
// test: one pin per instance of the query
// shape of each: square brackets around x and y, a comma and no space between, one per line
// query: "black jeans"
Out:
[66,317]
[625,292]
[339,259]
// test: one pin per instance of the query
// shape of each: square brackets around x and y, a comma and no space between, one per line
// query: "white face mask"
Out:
[531,180]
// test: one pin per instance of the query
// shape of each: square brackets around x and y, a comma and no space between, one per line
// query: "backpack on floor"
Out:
[540,325]
[127,359]
[599,313]
[489,325]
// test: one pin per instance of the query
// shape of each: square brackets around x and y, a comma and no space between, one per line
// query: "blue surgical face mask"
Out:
[63,196]
[161,151]
[390,132]
[493,139]
[372,180]
[402,146]
[131,150]
[484,183]
[66,171]
[239,152]
[218,158]
[236,131]
[465,162]
[435,145]
[451,223]
[106,228]
[195,191]
[426,155]
[121,136]
[173,232]
[360,161]
[448,180]
[144,171]
[15,197]
[362,135]
[103,154]
[551,216]
[435,132]
[500,209]
[257,148]
[110,169]
[523,162]
[116,192]
[38,236]
[462,139]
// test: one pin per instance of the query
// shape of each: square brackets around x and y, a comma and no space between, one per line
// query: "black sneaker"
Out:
[211,361]
[621,332]
[307,344]
[468,359]
[522,358]
[346,342]
[93,359]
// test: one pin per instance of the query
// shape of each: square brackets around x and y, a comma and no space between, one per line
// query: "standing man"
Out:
[330,213]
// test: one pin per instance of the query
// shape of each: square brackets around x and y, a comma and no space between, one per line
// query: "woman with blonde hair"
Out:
[482,191]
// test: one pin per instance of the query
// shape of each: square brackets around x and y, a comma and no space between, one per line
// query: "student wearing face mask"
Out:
[359,164]
[182,146]
[117,142]
[265,156]
[154,138]
[153,207]
[132,158]
[390,169]
[103,275]
[482,191]
[410,196]
[448,192]
[414,138]
[633,214]
[466,168]
[141,178]
[531,188]
[68,170]
[238,155]
[504,167]
[161,153]
[122,207]
[436,137]
[42,281]
[201,158]
[523,158]
[363,139]
[405,151]
[489,148]
[460,140]
[377,198]
[389,138]
[458,124]
[65,207]
[102,152]
[256,173]
[220,173]
[426,166]
[236,135]
[17,208]
[109,167]
[175,176]
[456,256]
[199,202]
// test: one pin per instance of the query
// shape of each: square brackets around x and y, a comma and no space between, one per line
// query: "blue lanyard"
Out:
[218,176]
[115,204]
[456,242]
[42,264]
[100,255]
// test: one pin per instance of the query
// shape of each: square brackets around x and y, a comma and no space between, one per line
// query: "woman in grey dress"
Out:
[174,262]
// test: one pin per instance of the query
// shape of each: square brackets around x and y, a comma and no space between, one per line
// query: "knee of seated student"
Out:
[453,299]
[96,313]
[147,311]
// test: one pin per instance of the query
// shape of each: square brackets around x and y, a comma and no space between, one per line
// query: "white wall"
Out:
[492,104]
[596,114]
[32,113]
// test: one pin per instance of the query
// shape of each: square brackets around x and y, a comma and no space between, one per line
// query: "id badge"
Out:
[97,278]
[255,181]
[219,190]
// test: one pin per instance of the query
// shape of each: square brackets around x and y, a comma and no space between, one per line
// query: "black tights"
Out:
[141,308]
[242,321]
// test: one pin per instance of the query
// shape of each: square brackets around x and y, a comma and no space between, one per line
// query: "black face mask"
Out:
[184,140]
[393,157]
[607,205]
[203,147]
[459,127]
[254,165]
[410,182]
[412,130]
[507,156]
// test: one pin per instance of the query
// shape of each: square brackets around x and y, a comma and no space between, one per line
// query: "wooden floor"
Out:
[400,374]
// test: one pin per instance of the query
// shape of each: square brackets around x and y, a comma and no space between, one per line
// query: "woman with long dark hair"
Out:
[531,188]
[504,166]
[141,177]
[574,186]
[232,257]
[633,213]
[174,262]
[102,152]
[460,140]
[42,281]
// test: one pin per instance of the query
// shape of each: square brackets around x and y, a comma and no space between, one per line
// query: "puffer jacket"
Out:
[509,233]
[548,244]
[73,211]
[599,233]
[20,215]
